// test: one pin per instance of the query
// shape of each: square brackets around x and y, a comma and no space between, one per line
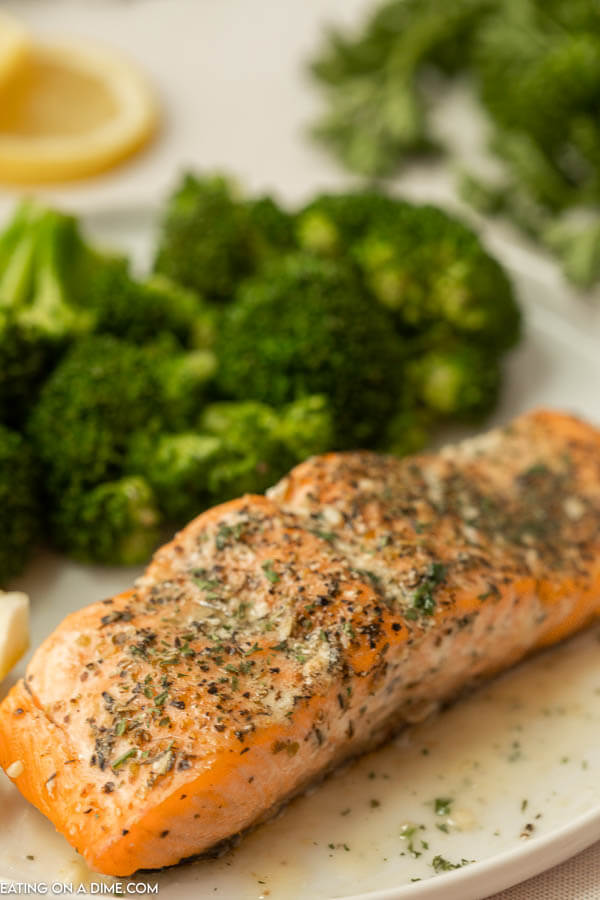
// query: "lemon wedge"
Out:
[75,110]
[14,629]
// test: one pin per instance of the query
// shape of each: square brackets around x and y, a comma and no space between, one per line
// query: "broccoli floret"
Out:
[50,309]
[177,466]
[17,250]
[24,361]
[306,427]
[18,502]
[234,451]
[243,424]
[304,326]
[408,431]
[185,381]
[238,448]
[460,381]
[332,223]
[271,229]
[253,457]
[138,311]
[424,265]
[211,238]
[192,471]
[115,523]
[36,318]
[101,391]
[205,239]
[56,288]
[99,285]
[428,269]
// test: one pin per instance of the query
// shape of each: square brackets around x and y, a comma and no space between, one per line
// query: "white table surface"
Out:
[235,98]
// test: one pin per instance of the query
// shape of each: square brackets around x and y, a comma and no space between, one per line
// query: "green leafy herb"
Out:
[443,805]
[270,572]
[423,599]
[123,758]
[440,864]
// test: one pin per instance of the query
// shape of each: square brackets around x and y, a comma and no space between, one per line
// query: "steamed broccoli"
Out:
[305,427]
[205,239]
[138,311]
[305,326]
[459,380]
[271,229]
[191,471]
[18,502]
[237,448]
[186,382]
[408,430]
[101,287]
[116,522]
[211,238]
[425,266]
[431,270]
[177,467]
[56,288]
[37,319]
[101,391]
[332,223]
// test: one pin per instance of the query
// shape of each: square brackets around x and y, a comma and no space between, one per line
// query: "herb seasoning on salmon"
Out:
[276,636]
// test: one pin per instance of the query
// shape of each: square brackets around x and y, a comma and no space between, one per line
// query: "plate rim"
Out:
[522,862]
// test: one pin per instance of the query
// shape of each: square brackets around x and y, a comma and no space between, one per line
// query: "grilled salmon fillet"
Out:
[276,636]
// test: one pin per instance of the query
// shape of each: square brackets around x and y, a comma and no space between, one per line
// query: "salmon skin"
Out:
[276,636]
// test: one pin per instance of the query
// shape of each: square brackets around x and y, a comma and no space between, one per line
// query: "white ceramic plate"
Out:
[518,763]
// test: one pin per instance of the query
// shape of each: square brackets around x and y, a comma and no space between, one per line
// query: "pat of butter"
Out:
[14,629]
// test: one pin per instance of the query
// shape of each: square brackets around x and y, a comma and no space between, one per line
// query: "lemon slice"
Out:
[14,629]
[75,110]
[15,50]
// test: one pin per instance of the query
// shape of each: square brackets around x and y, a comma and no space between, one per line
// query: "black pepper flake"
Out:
[178,704]
[109,700]
[116,616]
[109,787]
[164,833]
